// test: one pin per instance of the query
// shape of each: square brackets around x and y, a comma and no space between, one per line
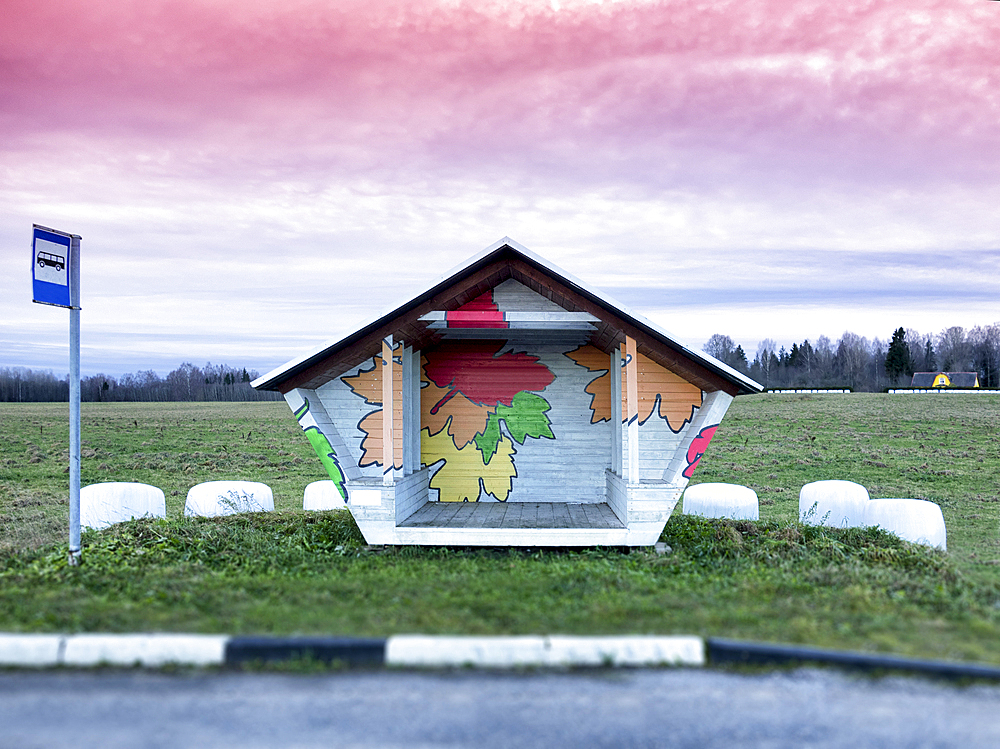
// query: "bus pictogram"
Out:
[47,258]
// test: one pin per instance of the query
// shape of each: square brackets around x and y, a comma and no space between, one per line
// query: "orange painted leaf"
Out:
[659,390]
[368,383]
[463,418]
[674,398]
[371,445]
[599,388]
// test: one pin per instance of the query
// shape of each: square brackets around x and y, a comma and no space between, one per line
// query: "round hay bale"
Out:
[838,504]
[322,495]
[113,502]
[214,498]
[721,501]
[914,520]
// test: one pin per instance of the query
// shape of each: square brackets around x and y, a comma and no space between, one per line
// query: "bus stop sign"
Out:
[55,265]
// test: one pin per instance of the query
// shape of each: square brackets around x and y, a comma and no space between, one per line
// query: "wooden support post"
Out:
[407,416]
[411,411]
[616,411]
[415,410]
[632,402]
[387,411]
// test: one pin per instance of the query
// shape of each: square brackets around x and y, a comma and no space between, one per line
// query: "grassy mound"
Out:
[297,572]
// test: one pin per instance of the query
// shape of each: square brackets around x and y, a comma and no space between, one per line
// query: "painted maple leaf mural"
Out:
[476,403]
[367,384]
[697,449]
[464,475]
[660,391]
[321,444]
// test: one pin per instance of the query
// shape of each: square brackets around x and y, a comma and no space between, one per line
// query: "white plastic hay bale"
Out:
[113,502]
[840,504]
[214,498]
[915,520]
[322,495]
[721,501]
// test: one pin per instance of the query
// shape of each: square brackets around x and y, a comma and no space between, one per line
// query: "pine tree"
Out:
[897,358]
[740,360]
[793,356]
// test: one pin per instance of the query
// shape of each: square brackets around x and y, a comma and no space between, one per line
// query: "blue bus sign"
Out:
[55,267]
[55,280]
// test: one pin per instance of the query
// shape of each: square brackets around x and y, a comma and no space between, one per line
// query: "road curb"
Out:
[431,651]
[404,651]
[420,651]
[85,650]
[347,651]
[26,651]
[734,652]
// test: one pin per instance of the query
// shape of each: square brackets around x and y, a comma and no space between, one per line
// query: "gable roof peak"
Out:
[503,260]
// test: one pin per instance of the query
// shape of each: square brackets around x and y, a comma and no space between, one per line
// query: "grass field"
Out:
[290,571]
[943,448]
[169,445]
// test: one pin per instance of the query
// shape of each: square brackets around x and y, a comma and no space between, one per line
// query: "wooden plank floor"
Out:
[512,515]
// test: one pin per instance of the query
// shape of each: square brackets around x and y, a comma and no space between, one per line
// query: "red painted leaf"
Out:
[697,448]
[481,312]
[473,369]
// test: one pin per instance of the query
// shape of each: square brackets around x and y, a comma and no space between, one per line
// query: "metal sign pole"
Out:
[74,402]
[74,437]
[55,273]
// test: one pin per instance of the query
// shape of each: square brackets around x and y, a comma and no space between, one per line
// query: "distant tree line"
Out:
[851,362]
[217,382]
[857,363]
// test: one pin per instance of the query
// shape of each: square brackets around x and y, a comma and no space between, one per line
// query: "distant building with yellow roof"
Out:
[945,380]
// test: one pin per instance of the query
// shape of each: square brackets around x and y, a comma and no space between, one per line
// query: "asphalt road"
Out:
[647,708]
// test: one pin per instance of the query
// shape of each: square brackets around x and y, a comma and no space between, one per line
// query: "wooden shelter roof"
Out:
[480,274]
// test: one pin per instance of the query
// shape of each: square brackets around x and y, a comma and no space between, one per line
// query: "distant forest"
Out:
[851,362]
[186,383]
[859,364]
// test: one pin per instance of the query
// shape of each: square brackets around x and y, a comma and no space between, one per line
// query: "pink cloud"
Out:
[642,91]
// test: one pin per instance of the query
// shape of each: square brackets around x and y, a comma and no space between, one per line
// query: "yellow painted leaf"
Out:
[464,475]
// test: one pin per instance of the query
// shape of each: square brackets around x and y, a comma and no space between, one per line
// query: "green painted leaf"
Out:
[321,444]
[525,417]
[328,457]
[489,439]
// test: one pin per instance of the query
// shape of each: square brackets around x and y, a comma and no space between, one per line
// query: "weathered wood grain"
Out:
[513,515]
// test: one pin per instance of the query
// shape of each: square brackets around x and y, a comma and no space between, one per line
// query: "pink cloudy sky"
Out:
[253,177]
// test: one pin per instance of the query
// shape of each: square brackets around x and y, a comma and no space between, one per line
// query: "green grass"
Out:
[169,445]
[943,448]
[293,572]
